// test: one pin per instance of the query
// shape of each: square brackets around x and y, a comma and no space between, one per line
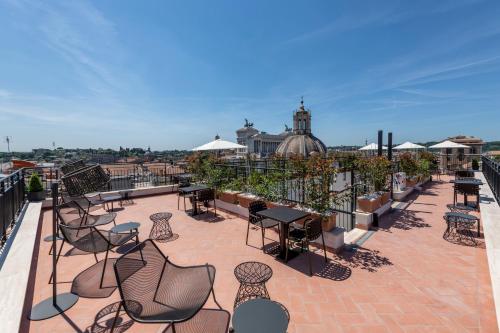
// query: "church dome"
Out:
[302,142]
[301,145]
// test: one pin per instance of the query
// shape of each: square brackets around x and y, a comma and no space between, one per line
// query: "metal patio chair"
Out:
[154,290]
[258,221]
[203,198]
[92,240]
[183,195]
[311,231]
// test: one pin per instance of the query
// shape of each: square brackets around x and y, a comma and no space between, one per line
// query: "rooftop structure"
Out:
[302,142]
[259,144]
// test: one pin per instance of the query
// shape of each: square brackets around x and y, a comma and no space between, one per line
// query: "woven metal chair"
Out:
[92,240]
[73,214]
[167,293]
[72,166]
[311,231]
[464,174]
[258,221]
[203,198]
[86,180]
[462,224]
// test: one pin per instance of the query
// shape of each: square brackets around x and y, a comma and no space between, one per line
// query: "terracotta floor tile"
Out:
[404,278]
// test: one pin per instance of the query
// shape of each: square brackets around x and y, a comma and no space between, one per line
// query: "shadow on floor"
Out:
[363,258]
[330,270]
[464,238]
[103,320]
[87,284]
[402,219]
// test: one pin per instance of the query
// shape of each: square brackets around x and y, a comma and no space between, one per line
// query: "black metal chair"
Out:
[88,238]
[182,194]
[73,214]
[166,293]
[311,231]
[464,174]
[258,221]
[466,190]
[203,198]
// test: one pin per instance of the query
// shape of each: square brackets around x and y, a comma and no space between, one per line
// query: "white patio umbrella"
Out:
[219,144]
[372,146]
[408,145]
[448,144]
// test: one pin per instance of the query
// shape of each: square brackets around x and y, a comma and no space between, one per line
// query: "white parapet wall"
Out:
[15,269]
[490,219]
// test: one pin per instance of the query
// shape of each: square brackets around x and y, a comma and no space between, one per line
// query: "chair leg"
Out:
[104,268]
[248,230]
[178,201]
[116,317]
[310,262]
[263,232]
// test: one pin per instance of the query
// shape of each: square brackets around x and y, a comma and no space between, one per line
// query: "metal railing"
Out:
[12,199]
[491,171]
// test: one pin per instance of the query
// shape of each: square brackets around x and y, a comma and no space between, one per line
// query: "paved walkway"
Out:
[405,278]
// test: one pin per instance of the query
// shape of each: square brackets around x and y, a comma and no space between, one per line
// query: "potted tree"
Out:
[374,171]
[35,188]
[252,187]
[409,166]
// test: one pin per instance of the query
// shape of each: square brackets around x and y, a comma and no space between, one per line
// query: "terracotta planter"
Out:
[368,204]
[229,196]
[271,204]
[329,222]
[244,199]
[411,182]
[384,197]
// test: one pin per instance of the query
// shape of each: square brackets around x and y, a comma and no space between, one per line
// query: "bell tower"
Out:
[302,120]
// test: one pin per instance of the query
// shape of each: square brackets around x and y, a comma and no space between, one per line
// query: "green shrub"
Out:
[475,164]
[35,184]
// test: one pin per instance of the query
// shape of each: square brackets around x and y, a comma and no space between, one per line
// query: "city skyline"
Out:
[172,75]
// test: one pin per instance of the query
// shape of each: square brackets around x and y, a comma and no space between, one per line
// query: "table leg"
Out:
[195,206]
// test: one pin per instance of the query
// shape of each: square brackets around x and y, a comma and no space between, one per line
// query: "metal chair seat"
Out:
[267,223]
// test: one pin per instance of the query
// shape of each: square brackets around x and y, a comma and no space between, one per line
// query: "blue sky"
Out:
[172,74]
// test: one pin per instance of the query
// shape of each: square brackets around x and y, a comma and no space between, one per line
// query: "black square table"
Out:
[193,189]
[285,216]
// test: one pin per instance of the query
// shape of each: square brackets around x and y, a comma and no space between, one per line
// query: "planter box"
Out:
[271,204]
[329,222]
[244,199]
[368,204]
[411,182]
[36,196]
[229,196]
[384,197]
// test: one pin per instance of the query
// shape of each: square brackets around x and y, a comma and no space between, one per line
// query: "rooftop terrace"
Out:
[401,277]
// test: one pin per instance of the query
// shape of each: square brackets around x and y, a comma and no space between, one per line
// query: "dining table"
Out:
[284,215]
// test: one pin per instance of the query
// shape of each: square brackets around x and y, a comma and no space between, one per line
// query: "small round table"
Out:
[252,276]
[124,227]
[161,230]
[260,315]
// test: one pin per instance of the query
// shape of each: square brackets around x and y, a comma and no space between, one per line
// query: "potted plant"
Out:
[231,190]
[475,164]
[35,188]
[251,188]
[409,166]
[319,201]
[374,171]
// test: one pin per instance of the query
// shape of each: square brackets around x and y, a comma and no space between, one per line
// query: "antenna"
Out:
[7,140]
